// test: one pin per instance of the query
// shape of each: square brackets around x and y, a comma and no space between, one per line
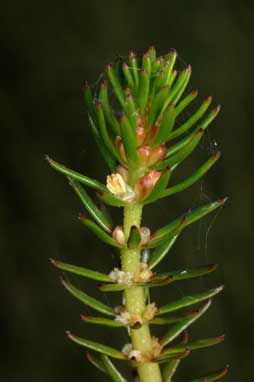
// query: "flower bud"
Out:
[144,153]
[157,154]
[145,235]
[155,176]
[144,186]
[118,235]
[116,184]
[140,131]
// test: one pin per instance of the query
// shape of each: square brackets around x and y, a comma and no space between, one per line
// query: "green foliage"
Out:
[143,145]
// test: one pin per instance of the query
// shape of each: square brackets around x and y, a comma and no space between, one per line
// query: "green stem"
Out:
[135,299]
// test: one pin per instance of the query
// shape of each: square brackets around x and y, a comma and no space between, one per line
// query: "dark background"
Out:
[47,49]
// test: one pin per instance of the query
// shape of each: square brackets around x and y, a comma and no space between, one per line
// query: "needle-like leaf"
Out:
[112,370]
[102,321]
[215,376]
[103,236]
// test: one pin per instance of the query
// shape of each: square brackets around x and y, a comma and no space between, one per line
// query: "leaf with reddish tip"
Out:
[212,377]
[128,76]
[188,273]
[97,362]
[192,120]
[189,300]
[184,85]
[149,284]
[200,344]
[89,99]
[174,230]
[116,84]
[81,271]
[90,206]
[112,370]
[92,183]
[102,321]
[88,300]
[174,355]
[156,106]
[170,369]
[177,329]
[134,67]
[103,349]
[152,53]
[201,171]
[180,144]
[103,236]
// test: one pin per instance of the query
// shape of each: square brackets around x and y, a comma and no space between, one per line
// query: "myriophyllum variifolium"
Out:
[143,142]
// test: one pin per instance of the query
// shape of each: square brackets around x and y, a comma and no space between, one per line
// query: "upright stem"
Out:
[135,299]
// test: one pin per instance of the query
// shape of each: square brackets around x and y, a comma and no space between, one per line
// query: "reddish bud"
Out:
[157,154]
[155,175]
[144,186]
[194,93]
[140,135]
[144,153]
[123,172]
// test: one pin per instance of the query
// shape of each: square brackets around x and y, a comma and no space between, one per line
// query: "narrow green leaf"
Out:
[116,85]
[134,238]
[129,137]
[134,67]
[112,370]
[111,200]
[177,329]
[88,300]
[183,87]
[160,186]
[175,355]
[98,231]
[173,318]
[180,83]
[212,377]
[188,273]
[172,59]
[200,344]
[77,176]
[150,284]
[157,65]
[161,251]
[172,77]
[189,300]
[162,130]
[89,99]
[128,76]
[81,271]
[131,113]
[201,171]
[104,133]
[170,369]
[174,160]
[152,53]
[211,116]
[107,156]
[191,216]
[174,230]
[185,102]
[102,321]
[90,206]
[143,90]
[192,120]
[103,349]
[180,144]
[146,64]
[97,362]
[110,118]
[156,106]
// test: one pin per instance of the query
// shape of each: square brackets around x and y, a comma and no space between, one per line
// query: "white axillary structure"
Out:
[119,188]
[121,277]
[145,274]
[131,353]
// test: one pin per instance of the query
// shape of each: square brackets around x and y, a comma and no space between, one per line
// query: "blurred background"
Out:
[48,48]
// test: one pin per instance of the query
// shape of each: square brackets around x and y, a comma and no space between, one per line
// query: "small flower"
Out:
[121,277]
[118,235]
[144,275]
[150,312]
[145,235]
[117,186]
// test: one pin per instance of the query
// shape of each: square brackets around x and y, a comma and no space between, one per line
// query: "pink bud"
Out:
[157,154]
[118,235]
[144,186]
[119,145]
[145,235]
[144,153]
[140,134]
[155,175]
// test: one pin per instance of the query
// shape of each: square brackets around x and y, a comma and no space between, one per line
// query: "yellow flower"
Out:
[117,186]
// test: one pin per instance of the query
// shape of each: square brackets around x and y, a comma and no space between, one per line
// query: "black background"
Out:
[47,49]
